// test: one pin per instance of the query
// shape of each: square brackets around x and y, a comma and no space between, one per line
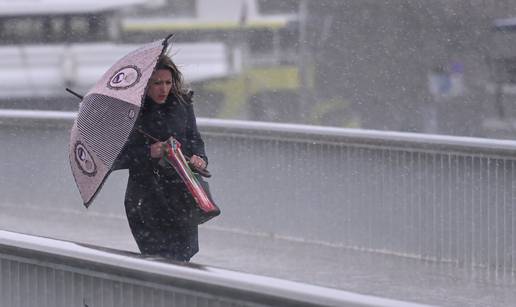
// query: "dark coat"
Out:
[159,207]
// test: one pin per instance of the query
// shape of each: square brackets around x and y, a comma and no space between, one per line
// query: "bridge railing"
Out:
[431,197]
[44,272]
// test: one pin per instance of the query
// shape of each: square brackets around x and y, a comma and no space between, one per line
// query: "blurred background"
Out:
[441,66]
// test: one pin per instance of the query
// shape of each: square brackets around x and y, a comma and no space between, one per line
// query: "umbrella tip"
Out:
[165,41]
[74,93]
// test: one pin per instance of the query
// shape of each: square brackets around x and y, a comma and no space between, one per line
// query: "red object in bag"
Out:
[174,156]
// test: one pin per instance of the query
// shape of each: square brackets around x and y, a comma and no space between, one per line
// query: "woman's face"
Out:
[160,84]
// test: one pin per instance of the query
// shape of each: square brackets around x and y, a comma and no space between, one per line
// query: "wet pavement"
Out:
[362,272]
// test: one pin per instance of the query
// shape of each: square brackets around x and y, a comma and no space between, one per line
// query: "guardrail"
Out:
[430,197]
[44,272]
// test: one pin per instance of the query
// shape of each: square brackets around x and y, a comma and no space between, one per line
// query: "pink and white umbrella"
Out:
[107,115]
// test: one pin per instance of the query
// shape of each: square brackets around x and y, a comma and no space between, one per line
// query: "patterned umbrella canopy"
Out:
[107,115]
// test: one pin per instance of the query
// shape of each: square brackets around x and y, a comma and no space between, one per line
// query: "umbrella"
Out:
[107,115]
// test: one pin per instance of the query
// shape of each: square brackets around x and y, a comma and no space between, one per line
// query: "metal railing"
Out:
[429,197]
[50,273]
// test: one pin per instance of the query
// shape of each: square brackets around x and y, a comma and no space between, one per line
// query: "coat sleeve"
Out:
[195,143]
[135,152]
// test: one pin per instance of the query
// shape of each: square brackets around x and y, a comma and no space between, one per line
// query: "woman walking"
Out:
[159,209]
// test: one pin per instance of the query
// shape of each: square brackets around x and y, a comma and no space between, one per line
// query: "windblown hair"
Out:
[178,90]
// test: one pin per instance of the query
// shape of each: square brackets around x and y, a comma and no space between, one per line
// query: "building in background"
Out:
[49,45]
[58,21]
[261,39]
[404,65]
[39,41]
[357,63]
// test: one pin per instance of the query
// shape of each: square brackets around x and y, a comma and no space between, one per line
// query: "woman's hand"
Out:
[156,150]
[197,162]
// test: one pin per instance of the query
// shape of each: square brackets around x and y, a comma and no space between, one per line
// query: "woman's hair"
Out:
[178,88]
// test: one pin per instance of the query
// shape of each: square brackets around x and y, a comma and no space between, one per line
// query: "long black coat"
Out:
[158,207]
